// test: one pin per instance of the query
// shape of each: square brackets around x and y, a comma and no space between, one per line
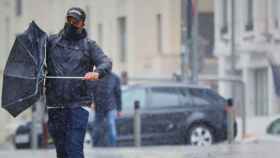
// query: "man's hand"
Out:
[91,76]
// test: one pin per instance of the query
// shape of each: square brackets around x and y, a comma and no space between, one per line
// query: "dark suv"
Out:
[173,114]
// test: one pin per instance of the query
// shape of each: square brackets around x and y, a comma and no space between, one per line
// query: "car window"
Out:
[274,128]
[199,97]
[129,96]
[165,97]
[206,97]
[214,97]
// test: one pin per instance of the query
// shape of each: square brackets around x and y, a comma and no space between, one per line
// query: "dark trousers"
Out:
[67,127]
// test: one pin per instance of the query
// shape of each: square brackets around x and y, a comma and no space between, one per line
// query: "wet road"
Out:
[248,150]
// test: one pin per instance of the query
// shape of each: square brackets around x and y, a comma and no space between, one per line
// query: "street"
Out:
[237,150]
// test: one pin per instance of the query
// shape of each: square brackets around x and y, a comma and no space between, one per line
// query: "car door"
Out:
[125,123]
[208,104]
[160,119]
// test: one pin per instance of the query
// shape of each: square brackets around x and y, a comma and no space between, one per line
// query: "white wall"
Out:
[251,49]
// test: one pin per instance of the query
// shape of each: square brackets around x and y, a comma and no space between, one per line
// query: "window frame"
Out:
[249,12]
[19,8]
[225,17]
[122,38]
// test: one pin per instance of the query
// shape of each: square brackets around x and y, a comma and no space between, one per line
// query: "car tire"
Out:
[200,135]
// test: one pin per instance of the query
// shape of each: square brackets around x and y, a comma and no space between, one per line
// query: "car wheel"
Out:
[200,135]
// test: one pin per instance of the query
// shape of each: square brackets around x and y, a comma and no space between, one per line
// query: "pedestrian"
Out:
[108,106]
[71,53]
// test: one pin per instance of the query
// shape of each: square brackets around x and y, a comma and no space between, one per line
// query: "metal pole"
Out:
[230,120]
[233,63]
[64,77]
[184,41]
[244,112]
[194,77]
[137,124]
[37,118]
[232,43]
[34,130]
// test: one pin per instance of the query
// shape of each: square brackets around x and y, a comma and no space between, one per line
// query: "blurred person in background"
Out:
[71,53]
[107,105]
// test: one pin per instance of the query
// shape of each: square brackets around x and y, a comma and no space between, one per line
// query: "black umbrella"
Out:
[23,74]
[24,71]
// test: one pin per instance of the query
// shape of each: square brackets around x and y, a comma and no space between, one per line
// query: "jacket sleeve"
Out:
[102,63]
[118,94]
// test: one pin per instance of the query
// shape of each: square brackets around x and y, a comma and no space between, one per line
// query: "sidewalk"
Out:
[6,146]
[248,150]
[256,128]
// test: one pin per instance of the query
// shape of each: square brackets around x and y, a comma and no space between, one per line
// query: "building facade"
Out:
[143,37]
[257,34]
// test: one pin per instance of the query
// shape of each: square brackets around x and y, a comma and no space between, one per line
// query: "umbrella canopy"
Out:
[23,74]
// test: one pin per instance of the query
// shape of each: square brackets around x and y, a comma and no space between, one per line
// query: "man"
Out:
[108,105]
[71,53]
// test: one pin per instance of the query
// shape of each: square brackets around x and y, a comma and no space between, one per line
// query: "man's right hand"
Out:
[91,76]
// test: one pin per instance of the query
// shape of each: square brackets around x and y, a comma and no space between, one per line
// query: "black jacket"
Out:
[66,57]
[107,93]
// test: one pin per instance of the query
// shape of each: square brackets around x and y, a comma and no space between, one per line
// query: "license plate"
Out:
[23,138]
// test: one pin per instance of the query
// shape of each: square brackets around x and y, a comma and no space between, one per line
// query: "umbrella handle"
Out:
[64,77]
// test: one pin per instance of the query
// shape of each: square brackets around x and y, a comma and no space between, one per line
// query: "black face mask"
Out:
[72,32]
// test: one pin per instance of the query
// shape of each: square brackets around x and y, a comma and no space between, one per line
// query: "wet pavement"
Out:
[237,150]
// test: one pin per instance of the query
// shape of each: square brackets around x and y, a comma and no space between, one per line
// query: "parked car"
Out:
[272,131]
[274,128]
[23,137]
[173,114]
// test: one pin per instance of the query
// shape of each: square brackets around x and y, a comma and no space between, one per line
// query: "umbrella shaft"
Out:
[64,77]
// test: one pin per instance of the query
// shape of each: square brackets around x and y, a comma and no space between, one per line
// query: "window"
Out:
[129,96]
[224,14]
[7,33]
[122,38]
[100,34]
[206,97]
[88,20]
[275,13]
[261,92]
[18,7]
[213,97]
[165,97]
[250,15]
[159,33]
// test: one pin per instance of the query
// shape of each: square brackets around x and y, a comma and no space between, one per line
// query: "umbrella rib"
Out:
[19,100]
[22,77]
[64,77]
